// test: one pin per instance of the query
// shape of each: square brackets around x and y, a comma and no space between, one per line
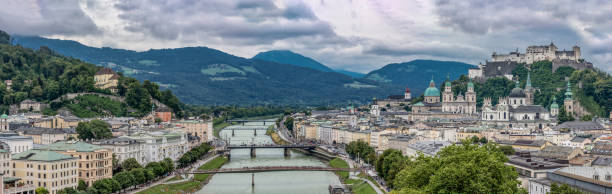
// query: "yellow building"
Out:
[43,168]
[57,122]
[106,78]
[94,162]
[200,128]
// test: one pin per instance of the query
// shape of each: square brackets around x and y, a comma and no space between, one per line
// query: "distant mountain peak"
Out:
[291,58]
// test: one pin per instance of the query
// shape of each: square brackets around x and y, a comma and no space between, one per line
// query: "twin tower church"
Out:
[517,110]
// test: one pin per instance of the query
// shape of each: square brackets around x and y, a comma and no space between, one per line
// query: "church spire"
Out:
[432,84]
[528,84]
[568,91]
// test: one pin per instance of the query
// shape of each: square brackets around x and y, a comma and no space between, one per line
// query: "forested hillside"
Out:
[201,75]
[44,75]
[595,94]
[416,74]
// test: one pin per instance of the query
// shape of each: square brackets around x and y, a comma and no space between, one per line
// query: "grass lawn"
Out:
[360,187]
[188,186]
[339,163]
[213,164]
[175,178]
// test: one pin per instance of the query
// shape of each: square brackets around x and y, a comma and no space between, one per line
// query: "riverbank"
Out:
[275,137]
[358,186]
[189,186]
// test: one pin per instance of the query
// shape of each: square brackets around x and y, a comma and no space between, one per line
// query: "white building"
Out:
[162,144]
[16,143]
[124,148]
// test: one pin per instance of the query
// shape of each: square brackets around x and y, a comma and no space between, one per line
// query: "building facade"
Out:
[94,162]
[48,169]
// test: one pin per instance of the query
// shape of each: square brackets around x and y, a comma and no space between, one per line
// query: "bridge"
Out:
[269,169]
[272,146]
[245,121]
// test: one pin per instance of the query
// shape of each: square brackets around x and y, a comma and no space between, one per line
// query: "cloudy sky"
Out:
[357,35]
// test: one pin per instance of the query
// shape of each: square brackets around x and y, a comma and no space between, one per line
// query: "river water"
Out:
[294,182]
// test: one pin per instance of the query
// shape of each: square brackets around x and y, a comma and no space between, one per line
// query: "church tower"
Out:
[4,124]
[407,95]
[374,109]
[529,90]
[569,101]
[554,107]
[447,95]
[470,97]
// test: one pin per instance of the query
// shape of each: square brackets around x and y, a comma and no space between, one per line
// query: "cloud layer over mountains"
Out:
[358,35]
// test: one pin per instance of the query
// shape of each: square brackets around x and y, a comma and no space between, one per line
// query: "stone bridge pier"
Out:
[255,132]
[287,152]
[233,134]
[253,153]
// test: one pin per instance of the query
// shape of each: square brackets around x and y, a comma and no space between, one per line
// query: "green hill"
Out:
[595,94]
[43,75]
[291,58]
[417,74]
[200,75]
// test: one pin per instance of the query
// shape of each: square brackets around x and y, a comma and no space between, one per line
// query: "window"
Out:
[596,177]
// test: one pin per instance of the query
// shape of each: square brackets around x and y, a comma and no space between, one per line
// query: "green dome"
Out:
[4,116]
[470,84]
[448,84]
[432,91]
[554,105]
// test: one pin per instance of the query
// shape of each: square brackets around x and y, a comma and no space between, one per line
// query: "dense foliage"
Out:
[389,163]
[563,189]
[193,155]
[464,168]
[89,106]
[289,123]
[94,129]
[361,150]
[43,75]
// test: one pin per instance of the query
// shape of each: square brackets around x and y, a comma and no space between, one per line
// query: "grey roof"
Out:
[39,130]
[533,162]
[525,142]
[118,140]
[578,139]
[580,125]
[429,147]
[517,93]
[602,161]
[557,152]
[529,109]
[602,149]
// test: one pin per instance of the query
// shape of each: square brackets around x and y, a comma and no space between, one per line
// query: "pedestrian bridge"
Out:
[242,121]
[269,169]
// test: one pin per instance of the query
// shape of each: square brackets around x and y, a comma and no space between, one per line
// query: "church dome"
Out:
[517,93]
[432,91]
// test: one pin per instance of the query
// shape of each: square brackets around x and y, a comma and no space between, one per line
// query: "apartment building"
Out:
[94,162]
[44,168]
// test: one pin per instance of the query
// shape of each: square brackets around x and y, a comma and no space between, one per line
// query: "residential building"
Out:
[31,105]
[199,128]
[106,78]
[162,144]
[43,136]
[94,162]
[427,148]
[164,113]
[43,168]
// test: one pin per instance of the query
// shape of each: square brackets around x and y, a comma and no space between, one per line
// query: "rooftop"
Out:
[78,146]
[40,155]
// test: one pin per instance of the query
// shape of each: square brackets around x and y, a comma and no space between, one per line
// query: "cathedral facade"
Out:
[449,103]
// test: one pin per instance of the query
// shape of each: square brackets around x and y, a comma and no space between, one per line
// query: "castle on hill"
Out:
[501,65]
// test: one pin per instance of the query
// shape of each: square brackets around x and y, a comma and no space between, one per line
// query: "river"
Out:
[267,182]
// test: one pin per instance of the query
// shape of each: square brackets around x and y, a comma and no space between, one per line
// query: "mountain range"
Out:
[201,75]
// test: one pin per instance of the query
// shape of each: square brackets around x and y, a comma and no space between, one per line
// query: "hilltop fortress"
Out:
[503,64]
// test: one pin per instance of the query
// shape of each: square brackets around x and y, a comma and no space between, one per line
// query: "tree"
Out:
[289,123]
[586,118]
[463,168]
[42,190]
[149,174]
[156,167]
[125,178]
[362,150]
[563,189]
[139,175]
[506,149]
[390,163]
[168,165]
[130,164]
[67,190]
[94,129]
[82,185]
[483,140]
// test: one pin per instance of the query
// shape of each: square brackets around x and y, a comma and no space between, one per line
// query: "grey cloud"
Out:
[262,21]
[46,17]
